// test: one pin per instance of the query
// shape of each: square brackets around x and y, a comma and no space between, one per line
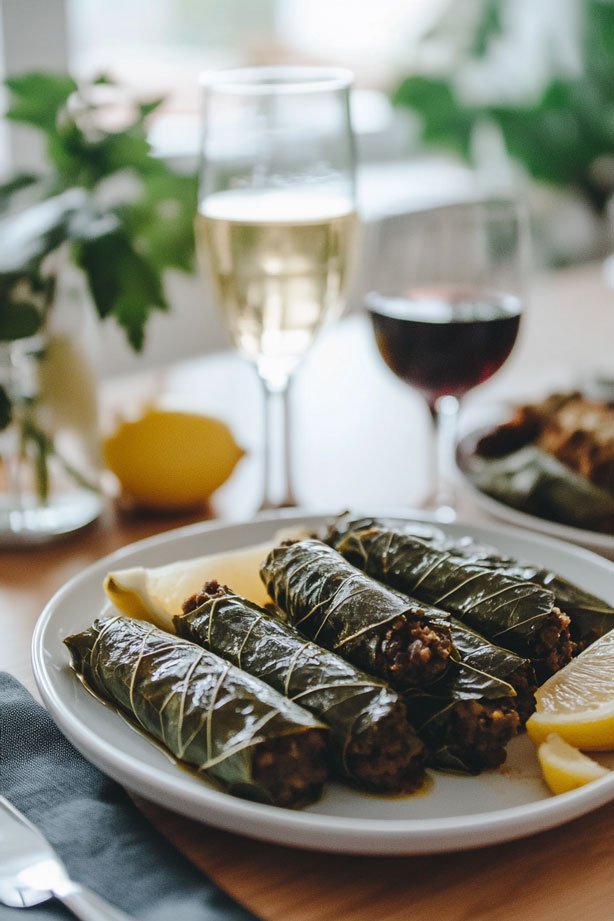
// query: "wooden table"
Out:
[361,440]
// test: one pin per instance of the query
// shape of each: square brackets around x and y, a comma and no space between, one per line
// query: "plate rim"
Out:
[594,540]
[339,834]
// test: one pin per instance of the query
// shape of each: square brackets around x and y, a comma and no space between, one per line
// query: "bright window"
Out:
[167,43]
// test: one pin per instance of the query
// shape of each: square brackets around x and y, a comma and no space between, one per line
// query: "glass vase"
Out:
[49,444]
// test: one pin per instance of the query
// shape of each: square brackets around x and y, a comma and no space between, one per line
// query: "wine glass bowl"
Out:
[445,339]
[445,307]
[276,220]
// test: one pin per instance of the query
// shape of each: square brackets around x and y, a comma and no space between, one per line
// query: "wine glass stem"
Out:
[444,412]
[277,487]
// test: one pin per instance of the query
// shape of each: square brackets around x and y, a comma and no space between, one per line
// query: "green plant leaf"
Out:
[445,122]
[132,313]
[31,234]
[121,151]
[162,219]
[91,223]
[558,137]
[103,80]
[598,42]
[123,249]
[122,282]
[70,155]
[146,108]
[17,321]
[490,26]
[41,449]
[11,187]
[36,98]
[554,138]
[6,410]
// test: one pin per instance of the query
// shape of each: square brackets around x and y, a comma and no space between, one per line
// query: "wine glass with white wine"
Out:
[276,223]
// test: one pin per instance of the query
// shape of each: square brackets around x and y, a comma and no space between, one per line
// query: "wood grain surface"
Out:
[360,438]
[560,875]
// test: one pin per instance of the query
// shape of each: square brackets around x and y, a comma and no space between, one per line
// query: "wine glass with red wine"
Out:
[445,306]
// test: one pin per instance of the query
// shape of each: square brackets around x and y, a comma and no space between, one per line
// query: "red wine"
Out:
[442,339]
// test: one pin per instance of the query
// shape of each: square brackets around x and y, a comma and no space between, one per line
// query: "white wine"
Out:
[279,261]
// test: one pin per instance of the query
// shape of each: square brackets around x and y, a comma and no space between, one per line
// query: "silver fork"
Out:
[31,872]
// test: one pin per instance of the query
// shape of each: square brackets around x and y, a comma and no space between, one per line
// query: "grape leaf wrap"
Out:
[340,608]
[353,703]
[590,615]
[208,713]
[539,484]
[510,612]
[314,587]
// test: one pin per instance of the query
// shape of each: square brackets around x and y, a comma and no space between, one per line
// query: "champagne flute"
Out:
[275,225]
[445,308]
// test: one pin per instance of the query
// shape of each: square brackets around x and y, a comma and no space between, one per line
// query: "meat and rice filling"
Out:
[413,653]
[292,768]
[478,731]
[386,756]
[552,646]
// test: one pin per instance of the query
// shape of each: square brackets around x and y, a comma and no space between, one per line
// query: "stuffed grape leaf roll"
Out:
[480,656]
[465,716]
[225,723]
[590,616]
[338,607]
[372,742]
[513,613]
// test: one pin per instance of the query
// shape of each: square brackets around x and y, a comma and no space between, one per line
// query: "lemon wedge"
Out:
[171,460]
[578,702]
[564,767]
[156,594]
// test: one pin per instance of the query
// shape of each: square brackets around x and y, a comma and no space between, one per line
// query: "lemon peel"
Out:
[564,767]
[578,701]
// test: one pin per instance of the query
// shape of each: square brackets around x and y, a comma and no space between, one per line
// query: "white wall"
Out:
[34,37]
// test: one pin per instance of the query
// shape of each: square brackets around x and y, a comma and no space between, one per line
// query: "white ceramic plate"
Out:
[593,540]
[453,813]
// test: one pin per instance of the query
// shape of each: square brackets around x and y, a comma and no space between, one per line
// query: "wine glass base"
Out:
[33,523]
[444,513]
[268,506]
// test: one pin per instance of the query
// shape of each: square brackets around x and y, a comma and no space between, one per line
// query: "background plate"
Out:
[452,813]
[593,540]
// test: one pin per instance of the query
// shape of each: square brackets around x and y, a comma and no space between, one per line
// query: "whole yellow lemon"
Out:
[171,460]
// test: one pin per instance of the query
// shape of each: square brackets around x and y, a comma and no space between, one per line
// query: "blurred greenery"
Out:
[123,215]
[563,135]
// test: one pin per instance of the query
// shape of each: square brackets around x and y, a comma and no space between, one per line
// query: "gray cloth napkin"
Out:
[101,836]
